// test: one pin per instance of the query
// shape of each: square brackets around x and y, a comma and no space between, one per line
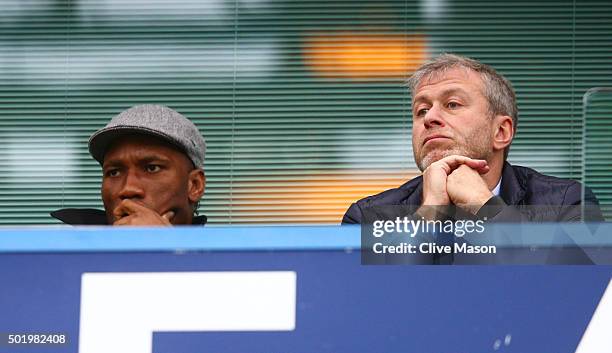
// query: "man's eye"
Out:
[153,168]
[112,173]
[422,112]
[453,105]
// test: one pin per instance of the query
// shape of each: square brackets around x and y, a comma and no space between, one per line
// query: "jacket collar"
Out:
[91,216]
[412,191]
[512,189]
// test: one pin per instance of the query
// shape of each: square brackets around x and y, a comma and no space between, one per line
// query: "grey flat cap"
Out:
[154,120]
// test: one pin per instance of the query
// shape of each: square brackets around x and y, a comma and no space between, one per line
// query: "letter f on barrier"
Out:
[120,311]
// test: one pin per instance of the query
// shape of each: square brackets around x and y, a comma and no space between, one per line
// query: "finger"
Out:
[464,168]
[128,207]
[133,206]
[120,211]
[168,216]
[476,163]
[483,170]
[455,161]
[479,169]
[124,221]
[452,162]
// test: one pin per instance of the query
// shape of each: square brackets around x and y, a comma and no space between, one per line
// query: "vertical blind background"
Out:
[302,103]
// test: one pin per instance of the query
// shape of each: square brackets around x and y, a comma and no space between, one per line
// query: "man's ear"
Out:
[504,132]
[196,185]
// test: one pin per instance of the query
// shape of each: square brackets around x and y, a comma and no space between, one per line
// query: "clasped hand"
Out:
[132,213]
[456,180]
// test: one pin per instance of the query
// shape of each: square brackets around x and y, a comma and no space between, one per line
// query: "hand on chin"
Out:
[467,189]
[135,213]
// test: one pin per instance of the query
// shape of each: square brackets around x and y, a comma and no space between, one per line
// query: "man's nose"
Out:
[433,117]
[132,187]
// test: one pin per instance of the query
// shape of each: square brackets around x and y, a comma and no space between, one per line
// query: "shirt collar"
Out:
[497,189]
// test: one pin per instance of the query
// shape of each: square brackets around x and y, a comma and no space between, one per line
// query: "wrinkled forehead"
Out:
[465,74]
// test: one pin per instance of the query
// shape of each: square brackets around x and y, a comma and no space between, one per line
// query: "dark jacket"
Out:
[90,217]
[554,199]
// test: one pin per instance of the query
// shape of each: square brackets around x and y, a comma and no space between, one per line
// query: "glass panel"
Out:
[598,146]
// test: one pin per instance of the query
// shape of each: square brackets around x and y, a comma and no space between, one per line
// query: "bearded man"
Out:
[464,117]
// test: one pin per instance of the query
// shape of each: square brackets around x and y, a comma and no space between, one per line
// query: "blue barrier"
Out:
[52,278]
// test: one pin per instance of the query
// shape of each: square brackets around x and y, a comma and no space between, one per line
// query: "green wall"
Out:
[295,130]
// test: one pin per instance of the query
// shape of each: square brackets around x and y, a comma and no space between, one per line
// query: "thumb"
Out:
[483,170]
[168,216]
[480,165]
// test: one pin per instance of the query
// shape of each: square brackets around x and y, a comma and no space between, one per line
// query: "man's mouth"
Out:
[434,138]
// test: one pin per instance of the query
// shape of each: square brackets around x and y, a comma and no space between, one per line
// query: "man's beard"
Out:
[477,145]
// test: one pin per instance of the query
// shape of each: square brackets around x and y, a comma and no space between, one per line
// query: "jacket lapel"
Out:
[415,192]
[512,191]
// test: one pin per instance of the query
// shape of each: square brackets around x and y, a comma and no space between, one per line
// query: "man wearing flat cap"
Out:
[152,161]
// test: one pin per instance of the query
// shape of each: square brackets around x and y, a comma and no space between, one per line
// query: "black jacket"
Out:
[90,217]
[555,199]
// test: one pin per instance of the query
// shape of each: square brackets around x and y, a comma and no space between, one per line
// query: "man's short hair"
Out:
[497,89]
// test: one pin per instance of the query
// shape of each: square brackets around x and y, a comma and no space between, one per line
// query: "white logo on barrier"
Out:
[597,338]
[120,311]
